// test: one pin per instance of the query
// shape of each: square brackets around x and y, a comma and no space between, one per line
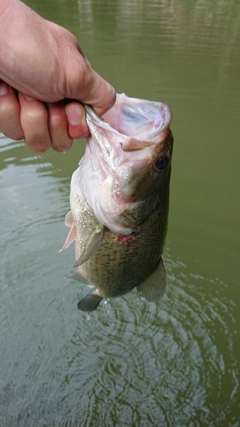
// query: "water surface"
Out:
[171,363]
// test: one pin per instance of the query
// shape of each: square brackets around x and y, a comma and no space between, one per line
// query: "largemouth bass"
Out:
[119,201]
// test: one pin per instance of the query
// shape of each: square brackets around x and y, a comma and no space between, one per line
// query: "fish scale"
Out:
[108,270]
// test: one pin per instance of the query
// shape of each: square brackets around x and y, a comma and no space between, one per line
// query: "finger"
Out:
[76,116]
[85,85]
[9,113]
[34,122]
[58,127]
[101,94]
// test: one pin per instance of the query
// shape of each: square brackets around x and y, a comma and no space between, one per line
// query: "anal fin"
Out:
[77,276]
[90,302]
[154,286]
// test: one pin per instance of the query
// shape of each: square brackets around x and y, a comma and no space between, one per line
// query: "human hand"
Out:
[43,73]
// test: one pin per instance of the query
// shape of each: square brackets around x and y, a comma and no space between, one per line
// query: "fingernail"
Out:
[3,88]
[74,114]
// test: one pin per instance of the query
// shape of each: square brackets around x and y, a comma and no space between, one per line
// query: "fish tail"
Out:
[90,302]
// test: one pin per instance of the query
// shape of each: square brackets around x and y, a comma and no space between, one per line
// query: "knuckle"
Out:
[8,108]
[55,121]
[78,78]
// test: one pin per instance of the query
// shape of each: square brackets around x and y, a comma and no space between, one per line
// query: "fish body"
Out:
[119,201]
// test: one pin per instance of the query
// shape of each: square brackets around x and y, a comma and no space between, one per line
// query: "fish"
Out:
[119,201]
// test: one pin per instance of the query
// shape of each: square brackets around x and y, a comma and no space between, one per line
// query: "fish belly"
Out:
[121,264]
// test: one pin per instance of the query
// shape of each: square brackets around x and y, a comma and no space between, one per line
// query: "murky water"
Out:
[171,363]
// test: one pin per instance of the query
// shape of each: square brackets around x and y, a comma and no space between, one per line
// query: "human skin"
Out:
[44,78]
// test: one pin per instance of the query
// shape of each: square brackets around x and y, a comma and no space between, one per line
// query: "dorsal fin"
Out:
[153,287]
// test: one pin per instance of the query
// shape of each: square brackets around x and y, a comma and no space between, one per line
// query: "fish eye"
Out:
[161,163]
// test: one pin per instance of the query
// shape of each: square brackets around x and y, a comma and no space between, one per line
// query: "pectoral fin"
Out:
[90,302]
[69,222]
[153,287]
[91,247]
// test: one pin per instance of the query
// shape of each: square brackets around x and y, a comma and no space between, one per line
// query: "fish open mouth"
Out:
[142,120]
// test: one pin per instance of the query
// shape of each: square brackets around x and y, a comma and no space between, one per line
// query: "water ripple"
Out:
[143,364]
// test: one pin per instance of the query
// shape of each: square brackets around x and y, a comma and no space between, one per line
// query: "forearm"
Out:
[11,19]
[44,61]
[10,12]
[27,49]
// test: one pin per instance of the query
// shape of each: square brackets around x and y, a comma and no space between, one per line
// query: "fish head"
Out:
[126,168]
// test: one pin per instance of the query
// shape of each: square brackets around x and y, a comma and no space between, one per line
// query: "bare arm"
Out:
[42,64]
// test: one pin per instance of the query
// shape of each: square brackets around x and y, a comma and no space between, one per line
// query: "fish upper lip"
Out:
[161,121]
[127,149]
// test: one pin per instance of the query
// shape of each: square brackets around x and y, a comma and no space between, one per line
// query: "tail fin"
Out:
[90,302]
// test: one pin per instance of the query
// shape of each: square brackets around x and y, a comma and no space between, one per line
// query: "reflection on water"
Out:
[172,363]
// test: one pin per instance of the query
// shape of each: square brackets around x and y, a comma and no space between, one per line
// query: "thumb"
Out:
[101,95]
[89,87]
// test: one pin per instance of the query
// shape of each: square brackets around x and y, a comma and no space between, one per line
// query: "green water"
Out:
[171,363]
